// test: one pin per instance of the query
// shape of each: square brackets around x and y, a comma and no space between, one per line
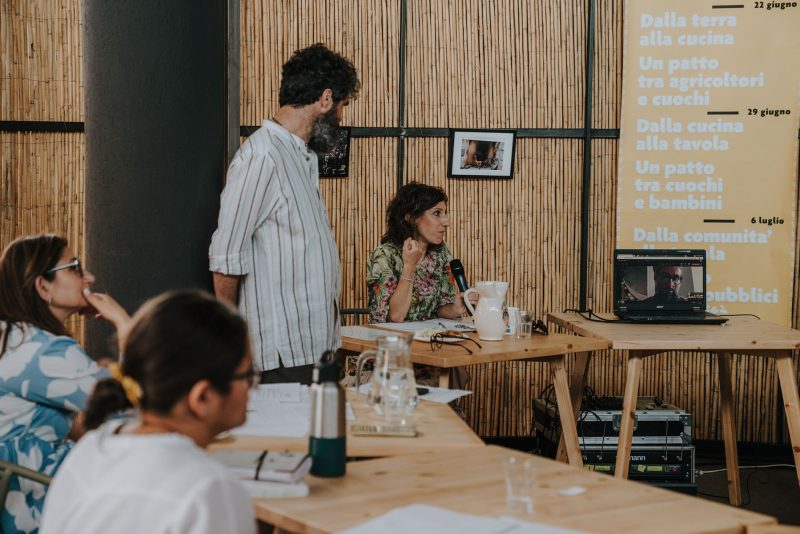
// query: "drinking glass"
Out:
[397,393]
[525,326]
[520,480]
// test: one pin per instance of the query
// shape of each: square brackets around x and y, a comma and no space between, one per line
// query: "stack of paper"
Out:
[279,410]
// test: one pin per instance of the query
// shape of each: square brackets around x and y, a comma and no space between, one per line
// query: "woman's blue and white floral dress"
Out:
[45,381]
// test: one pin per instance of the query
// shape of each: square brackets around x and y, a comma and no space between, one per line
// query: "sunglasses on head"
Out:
[74,265]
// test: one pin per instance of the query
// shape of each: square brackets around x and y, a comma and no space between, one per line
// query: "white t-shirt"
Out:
[154,484]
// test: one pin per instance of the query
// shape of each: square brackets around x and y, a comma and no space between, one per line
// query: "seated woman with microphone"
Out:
[408,275]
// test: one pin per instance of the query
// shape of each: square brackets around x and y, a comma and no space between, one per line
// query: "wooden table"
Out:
[551,348]
[439,427]
[741,335]
[471,481]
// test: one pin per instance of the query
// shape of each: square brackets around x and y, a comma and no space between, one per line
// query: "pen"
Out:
[259,463]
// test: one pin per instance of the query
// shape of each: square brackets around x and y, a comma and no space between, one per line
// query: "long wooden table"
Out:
[551,348]
[471,481]
[741,335]
[439,429]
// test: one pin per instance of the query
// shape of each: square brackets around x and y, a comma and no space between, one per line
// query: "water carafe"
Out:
[393,392]
[489,312]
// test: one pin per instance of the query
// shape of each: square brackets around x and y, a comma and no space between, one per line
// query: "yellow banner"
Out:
[709,143]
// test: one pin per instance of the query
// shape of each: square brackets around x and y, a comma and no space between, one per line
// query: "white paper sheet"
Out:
[414,326]
[277,392]
[362,332]
[280,410]
[440,395]
[424,518]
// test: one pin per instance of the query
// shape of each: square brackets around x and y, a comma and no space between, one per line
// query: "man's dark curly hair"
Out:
[312,70]
[412,199]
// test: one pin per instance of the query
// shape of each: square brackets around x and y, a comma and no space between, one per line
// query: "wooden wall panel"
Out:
[501,64]
[40,65]
[43,189]
[607,79]
[524,231]
[367,33]
[356,205]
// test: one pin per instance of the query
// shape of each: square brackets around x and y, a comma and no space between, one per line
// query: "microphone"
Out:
[458,273]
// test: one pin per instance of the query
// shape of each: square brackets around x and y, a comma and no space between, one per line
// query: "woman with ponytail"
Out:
[186,372]
[45,375]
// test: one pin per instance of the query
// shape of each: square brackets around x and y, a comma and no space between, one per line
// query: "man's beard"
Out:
[325,133]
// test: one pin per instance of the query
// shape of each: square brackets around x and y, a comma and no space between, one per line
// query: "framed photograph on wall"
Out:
[336,163]
[481,153]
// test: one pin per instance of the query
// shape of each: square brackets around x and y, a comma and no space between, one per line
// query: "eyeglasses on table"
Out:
[448,337]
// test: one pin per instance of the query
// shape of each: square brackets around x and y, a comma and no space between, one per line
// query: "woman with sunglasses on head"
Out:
[408,275]
[45,375]
[187,371]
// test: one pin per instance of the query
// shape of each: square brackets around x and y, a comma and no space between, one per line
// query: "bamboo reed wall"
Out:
[41,60]
[502,64]
[41,79]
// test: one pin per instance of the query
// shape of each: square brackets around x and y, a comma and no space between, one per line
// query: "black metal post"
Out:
[587,155]
[401,97]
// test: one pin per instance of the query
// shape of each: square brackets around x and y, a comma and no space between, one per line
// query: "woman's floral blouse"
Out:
[433,287]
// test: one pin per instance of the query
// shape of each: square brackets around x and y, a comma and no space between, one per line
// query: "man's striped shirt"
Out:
[274,231]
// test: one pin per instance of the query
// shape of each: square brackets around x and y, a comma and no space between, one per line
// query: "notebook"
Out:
[661,286]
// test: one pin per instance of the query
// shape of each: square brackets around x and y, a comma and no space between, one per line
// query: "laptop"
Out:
[661,286]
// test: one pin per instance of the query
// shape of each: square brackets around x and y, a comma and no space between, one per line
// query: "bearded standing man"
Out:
[273,253]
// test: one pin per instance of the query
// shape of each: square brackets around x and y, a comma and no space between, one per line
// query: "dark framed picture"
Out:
[481,153]
[336,163]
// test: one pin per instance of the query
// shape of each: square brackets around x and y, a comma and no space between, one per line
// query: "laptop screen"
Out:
[659,280]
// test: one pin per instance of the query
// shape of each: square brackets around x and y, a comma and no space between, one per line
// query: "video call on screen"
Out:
[658,280]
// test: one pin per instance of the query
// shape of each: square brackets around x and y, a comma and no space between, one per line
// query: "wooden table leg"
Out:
[791,402]
[628,414]
[729,427]
[444,378]
[569,433]
[577,382]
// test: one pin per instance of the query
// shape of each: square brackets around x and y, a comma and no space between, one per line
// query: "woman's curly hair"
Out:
[410,202]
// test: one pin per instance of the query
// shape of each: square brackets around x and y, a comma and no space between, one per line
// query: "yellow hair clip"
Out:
[133,391]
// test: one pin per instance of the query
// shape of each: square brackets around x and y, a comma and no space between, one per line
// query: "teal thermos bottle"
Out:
[327,441]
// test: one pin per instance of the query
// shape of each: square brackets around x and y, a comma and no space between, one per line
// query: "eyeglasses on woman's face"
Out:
[74,265]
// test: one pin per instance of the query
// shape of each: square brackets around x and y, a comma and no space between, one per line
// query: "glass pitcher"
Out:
[393,394]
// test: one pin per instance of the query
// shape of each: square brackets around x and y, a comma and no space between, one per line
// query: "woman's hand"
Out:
[460,307]
[412,253]
[109,309]
[457,309]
